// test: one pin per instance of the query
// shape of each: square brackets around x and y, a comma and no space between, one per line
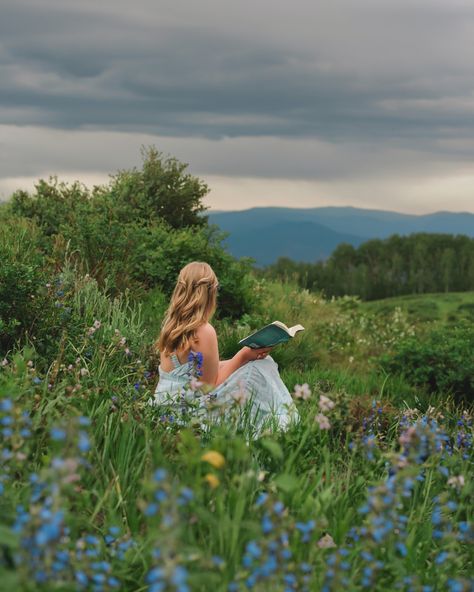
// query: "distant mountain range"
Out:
[312,234]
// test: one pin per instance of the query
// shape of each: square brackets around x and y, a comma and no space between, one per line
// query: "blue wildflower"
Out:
[154,575]
[441,558]
[253,549]
[401,548]
[83,443]
[267,524]
[6,405]
[58,434]
[160,475]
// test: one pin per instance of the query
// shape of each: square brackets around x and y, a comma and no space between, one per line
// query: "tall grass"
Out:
[351,506]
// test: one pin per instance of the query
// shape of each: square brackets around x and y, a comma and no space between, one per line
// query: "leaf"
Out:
[10,580]
[287,482]
[273,448]
[8,538]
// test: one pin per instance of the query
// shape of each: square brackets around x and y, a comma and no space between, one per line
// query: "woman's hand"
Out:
[244,355]
[249,354]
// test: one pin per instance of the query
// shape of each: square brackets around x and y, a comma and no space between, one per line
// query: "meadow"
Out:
[100,490]
[371,490]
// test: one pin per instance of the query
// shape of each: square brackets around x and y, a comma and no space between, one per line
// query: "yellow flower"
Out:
[212,480]
[214,458]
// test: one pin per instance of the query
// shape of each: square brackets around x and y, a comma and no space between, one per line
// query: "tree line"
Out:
[414,264]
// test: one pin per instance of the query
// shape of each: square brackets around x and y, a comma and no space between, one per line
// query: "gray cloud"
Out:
[31,151]
[331,70]
[372,92]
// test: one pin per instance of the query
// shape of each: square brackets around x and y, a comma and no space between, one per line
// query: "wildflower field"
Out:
[99,490]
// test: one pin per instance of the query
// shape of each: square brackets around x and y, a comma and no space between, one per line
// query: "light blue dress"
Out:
[255,392]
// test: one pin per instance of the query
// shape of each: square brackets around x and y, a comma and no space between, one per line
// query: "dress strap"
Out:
[174,358]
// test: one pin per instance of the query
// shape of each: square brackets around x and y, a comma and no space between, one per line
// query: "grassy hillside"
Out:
[448,308]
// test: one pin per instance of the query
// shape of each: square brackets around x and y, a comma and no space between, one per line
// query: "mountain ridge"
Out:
[309,234]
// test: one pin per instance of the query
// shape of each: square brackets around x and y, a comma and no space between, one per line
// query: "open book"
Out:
[271,335]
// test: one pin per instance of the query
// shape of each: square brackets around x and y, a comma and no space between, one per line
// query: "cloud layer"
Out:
[377,92]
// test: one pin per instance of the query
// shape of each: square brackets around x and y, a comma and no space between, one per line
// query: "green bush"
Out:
[134,234]
[467,309]
[442,361]
[25,307]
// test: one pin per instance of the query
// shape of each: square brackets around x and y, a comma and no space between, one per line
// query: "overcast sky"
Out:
[367,103]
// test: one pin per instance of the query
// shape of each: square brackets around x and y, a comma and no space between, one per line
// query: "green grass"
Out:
[335,483]
[446,308]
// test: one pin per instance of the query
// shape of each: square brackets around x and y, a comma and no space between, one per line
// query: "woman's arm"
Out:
[213,371]
[227,367]
[246,354]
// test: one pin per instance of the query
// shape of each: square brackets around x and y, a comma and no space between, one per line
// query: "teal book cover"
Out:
[270,335]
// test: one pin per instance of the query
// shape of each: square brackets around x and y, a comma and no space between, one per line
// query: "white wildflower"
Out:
[456,481]
[326,542]
[325,403]
[302,391]
[322,421]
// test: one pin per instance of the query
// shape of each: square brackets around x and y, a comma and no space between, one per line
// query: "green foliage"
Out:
[442,361]
[54,206]
[443,308]
[160,256]
[415,264]
[323,478]
[161,190]
[74,264]
[26,309]
[136,233]
[467,309]
[101,369]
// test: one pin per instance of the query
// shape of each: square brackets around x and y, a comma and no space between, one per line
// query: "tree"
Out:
[448,267]
[53,205]
[418,263]
[137,231]
[162,190]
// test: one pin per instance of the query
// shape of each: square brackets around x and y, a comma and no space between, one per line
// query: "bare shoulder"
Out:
[205,332]
[204,336]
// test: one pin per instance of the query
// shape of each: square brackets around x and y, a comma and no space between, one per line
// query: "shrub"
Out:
[162,253]
[25,308]
[136,233]
[442,362]
[467,309]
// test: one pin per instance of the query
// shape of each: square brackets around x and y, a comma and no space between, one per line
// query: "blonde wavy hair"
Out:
[193,303]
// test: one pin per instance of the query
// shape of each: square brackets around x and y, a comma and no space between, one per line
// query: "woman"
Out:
[187,338]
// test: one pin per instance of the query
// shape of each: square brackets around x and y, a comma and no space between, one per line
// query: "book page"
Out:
[293,330]
[281,325]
